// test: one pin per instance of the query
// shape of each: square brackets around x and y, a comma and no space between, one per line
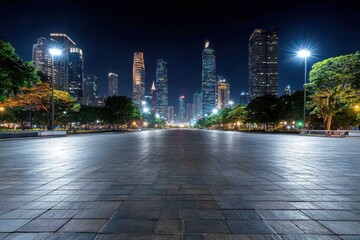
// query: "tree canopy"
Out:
[14,72]
[334,86]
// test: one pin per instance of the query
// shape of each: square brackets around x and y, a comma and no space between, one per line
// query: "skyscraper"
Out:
[189,112]
[208,79]
[138,78]
[197,105]
[161,87]
[153,97]
[263,63]
[76,73]
[63,42]
[223,95]
[244,98]
[170,114]
[288,90]
[90,87]
[113,84]
[181,115]
[41,57]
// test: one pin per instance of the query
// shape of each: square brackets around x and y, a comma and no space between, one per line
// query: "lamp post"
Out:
[54,52]
[304,54]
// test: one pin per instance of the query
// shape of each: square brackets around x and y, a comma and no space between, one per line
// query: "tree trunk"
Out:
[328,122]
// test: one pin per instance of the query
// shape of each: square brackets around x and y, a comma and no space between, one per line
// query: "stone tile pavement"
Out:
[180,184]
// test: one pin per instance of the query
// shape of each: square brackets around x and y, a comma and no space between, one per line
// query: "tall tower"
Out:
[153,97]
[90,87]
[76,73]
[189,112]
[263,63]
[223,93]
[197,105]
[138,78]
[113,84]
[208,79]
[170,114]
[41,57]
[161,87]
[63,42]
[181,114]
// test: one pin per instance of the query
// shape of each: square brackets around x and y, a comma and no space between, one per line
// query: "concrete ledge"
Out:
[31,134]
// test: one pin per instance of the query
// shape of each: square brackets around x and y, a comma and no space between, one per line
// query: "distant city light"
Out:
[303,53]
[143,103]
[215,111]
[157,115]
[146,110]
[231,103]
[55,51]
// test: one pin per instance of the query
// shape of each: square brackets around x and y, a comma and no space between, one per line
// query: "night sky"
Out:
[176,31]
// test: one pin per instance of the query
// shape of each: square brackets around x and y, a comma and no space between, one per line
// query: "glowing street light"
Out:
[143,103]
[304,54]
[215,111]
[157,115]
[146,110]
[2,109]
[231,103]
[54,52]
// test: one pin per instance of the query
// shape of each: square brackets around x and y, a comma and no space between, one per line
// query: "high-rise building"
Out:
[153,97]
[76,73]
[244,98]
[288,90]
[90,87]
[181,115]
[189,112]
[63,42]
[161,87]
[208,79]
[41,57]
[148,103]
[113,84]
[197,105]
[263,63]
[223,95]
[138,78]
[170,114]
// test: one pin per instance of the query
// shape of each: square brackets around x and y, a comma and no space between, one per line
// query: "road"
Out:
[180,184]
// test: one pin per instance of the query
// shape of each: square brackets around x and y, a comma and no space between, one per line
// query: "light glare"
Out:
[55,51]
[303,53]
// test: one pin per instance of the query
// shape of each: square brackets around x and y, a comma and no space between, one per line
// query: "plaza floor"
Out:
[180,184]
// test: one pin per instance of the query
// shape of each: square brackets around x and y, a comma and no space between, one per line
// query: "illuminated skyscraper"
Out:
[208,79]
[113,84]
[189,112]
[90,87]
[170,114]
[41,57]
[263,63]
[288,90]
[223,95]
[197,105]
[138,78]
[64,43]
[76,73]
[161,87]
[153,97]
[181,115]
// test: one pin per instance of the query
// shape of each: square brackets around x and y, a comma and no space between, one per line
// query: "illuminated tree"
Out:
[334,84]
[39,98]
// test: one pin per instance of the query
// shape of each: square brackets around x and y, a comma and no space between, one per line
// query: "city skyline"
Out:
[181,47]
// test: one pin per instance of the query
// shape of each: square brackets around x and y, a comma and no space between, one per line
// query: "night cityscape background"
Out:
[176,32]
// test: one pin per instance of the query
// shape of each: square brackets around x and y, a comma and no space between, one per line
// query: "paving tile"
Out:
[343,227]
[249,227]
[205,226]
[43,225]
[125,236]
[312,227]
[10,225]
[129,226]
[28,236]
[95,213]
[83,225]
[72,236]
[56,214]
[169,227]
[19,214]
[333,215]
[284,227]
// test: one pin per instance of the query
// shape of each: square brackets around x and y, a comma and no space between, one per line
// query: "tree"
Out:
[334,84]
[238,115]
[119,110]
[291,107]
[39,98]
[14,72]
[264,110]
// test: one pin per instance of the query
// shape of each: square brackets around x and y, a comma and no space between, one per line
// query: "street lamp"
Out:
[54,52]
[215,111]
[304,54]
[231,103]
